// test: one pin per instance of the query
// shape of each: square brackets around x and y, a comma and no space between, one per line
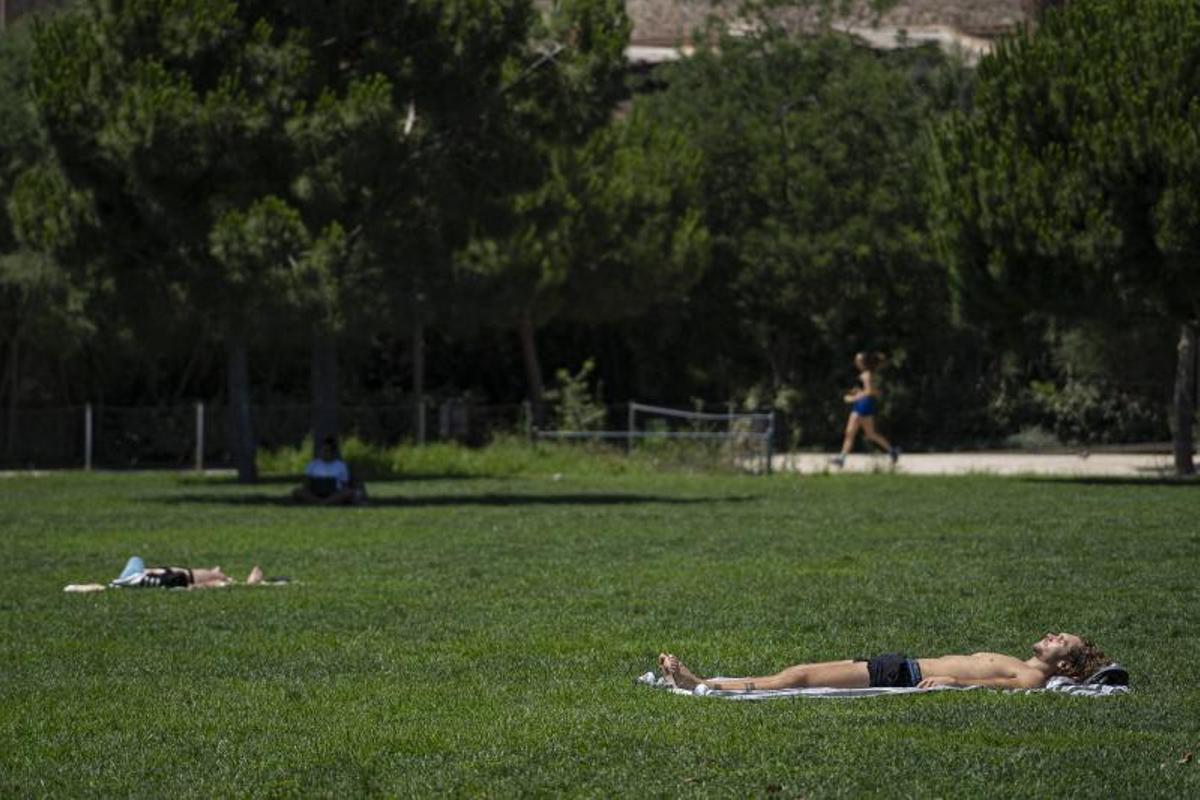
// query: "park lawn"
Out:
[481,636]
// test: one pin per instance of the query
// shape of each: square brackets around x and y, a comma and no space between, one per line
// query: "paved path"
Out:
[1110,465]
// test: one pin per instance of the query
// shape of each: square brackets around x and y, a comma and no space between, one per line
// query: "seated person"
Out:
[327,479]
[1056,654]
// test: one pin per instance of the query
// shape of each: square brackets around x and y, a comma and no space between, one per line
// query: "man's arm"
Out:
[1008,682]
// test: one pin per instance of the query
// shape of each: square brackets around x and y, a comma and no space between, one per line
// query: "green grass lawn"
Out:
[480,636]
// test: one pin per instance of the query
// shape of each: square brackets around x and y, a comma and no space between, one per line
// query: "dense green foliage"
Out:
[480,637]
[603,219]
[41,318]
[813,201]
[446,199]
[1071,187]
[1071,183]
[264,167]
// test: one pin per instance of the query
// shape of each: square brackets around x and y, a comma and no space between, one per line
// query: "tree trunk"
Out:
[324,377]
[418,384]
[1185,399]
[13,383]
[244,446]
[533,371]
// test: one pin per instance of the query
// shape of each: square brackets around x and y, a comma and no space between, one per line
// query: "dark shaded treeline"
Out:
[792,180]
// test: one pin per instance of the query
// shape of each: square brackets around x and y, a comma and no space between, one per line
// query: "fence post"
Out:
[199,436]
[87,437]
[770,441]
[527,412]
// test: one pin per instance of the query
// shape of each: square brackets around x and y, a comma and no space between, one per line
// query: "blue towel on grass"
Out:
[132,567]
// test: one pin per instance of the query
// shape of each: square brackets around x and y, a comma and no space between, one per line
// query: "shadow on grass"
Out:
[422,501]
[295,480]
[1173,481]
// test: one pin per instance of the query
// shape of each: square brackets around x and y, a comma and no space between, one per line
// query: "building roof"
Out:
[663,28]
[667,23]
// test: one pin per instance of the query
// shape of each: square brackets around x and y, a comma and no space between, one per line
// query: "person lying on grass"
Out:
[184,578]
[137,575]
[1056,654]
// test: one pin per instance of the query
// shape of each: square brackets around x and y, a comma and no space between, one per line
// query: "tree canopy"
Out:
[812,196]
[1071,185]
[43,312]
[194,134]
[293,186]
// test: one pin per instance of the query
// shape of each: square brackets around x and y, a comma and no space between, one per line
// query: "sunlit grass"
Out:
[479,635]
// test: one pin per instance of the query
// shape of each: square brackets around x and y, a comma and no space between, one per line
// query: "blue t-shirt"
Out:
[329,469]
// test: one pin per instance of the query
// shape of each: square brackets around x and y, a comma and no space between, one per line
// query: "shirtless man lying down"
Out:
[1056,654]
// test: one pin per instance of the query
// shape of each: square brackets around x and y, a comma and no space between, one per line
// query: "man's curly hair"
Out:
[1085,661]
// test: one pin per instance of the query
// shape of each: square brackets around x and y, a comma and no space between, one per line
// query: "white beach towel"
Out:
[1059,685]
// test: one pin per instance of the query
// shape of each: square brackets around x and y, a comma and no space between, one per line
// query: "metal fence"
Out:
[743,440]
[199,435]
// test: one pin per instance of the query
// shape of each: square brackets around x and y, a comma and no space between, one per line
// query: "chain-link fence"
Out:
[684,436]
[199,435]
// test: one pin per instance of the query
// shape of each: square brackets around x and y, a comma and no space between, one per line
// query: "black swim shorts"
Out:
[165,578]
[893,670]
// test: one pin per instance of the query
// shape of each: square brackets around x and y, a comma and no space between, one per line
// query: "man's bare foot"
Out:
[255,577]
[664,668]
[676,673]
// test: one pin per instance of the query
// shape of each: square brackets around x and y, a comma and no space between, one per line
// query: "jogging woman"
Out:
[864,402]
